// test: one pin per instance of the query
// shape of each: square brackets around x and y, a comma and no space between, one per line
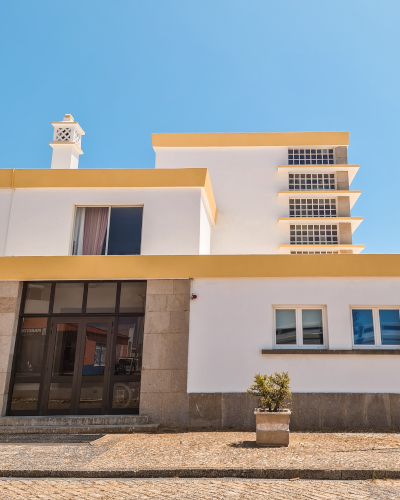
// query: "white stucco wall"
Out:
[231,321]
[41,221]
[5,206]
[245,182]
[205,231]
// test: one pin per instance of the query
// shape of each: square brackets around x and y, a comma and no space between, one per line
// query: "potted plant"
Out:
[272,419]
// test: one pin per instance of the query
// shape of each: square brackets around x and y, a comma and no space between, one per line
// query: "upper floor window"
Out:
[306,252]
[313,234]
[299,326]
[312,207]
[310,157]
[376,326]
[308,182]
[107,231]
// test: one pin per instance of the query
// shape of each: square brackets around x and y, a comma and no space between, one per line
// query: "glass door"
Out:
[77,364]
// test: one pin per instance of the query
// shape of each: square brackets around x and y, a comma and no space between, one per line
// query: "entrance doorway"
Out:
[79,364]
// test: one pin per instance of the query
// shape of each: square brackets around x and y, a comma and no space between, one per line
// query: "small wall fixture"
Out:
[194,296]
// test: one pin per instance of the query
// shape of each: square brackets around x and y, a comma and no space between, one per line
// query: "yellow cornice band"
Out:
[229,140]
[198,266]
[110,178]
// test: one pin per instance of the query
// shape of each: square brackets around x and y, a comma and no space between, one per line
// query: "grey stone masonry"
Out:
[163,396]
[10,300]
[343,209]
[345,234]
[342,181]
[341,155]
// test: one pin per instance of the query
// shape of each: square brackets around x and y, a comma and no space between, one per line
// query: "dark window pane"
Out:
[37,298]
[60,396]
[65,349]
[91,394]
[363,327]
[285,326]
[133,296]
[68,298]
[390,326]
[101,297]
[25,396]
[31,347]
[126,395]
[125,231]
[129,346]
[95,349]
[312,327]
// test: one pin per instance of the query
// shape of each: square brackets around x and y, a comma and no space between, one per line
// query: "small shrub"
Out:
[273,391]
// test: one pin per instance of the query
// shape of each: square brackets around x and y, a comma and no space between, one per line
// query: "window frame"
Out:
[299,327]
[103,205]
[376,325]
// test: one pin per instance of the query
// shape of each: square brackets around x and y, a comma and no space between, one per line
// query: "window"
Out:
[107,231]
[299,327]
[309,182]
[312,207]
[376,327]
[306,252]
[310,157]
[309,234]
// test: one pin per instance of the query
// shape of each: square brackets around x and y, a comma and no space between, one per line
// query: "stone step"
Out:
[74,421]
[88,429]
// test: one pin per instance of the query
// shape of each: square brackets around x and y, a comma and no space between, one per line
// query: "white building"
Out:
[162,292]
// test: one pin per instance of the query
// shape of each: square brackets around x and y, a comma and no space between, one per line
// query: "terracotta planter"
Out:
[272,428]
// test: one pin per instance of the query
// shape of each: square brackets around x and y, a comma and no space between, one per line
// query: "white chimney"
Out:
[66,143]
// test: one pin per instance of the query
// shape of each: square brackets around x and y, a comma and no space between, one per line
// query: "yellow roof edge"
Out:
[110,178]
[197,266]
[246,139]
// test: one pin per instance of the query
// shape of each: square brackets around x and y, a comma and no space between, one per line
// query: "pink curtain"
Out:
[95,229]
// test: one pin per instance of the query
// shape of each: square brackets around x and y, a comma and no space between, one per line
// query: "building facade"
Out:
[162,292]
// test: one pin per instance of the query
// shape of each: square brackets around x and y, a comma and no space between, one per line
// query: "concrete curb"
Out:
[321,474]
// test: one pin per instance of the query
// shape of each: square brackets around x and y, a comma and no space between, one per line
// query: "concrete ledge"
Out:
[253,473]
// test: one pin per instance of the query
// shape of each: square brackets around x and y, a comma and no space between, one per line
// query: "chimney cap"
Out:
[68,118]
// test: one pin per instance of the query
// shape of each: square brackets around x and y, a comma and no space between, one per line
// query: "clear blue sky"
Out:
[125,69]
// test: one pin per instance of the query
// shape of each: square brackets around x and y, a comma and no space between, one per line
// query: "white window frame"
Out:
[101,205]
[299,327]
[376,325]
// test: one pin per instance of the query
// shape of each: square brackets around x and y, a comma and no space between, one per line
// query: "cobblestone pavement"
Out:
[222,450]
[121,489]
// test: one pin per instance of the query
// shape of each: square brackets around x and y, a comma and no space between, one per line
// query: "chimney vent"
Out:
[66,143]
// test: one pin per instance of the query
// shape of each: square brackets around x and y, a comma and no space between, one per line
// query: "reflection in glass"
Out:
[312,327]
[285,326]
[133,297]
[363,327]
[60,396]
[31,347]
[129,346]
[25,396]
[91,394]
[65,349]
[390,326]
[94,358]
[68,298]
[125,231]
[126,395]
[37,298]
[101,297]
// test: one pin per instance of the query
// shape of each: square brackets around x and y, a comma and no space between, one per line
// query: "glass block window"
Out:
[312,234]
[306,252]
[312,207]
[310,157]
[309,182]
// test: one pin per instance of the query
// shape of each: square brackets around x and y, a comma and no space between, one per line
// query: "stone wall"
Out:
[341,155]
[163,396]
[342,181]
[346,236]
[343,208]
[10,300]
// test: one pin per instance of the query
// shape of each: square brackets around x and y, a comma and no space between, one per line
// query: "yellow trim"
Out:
[197,266]
[52,144]
[250,139]
[111,178]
